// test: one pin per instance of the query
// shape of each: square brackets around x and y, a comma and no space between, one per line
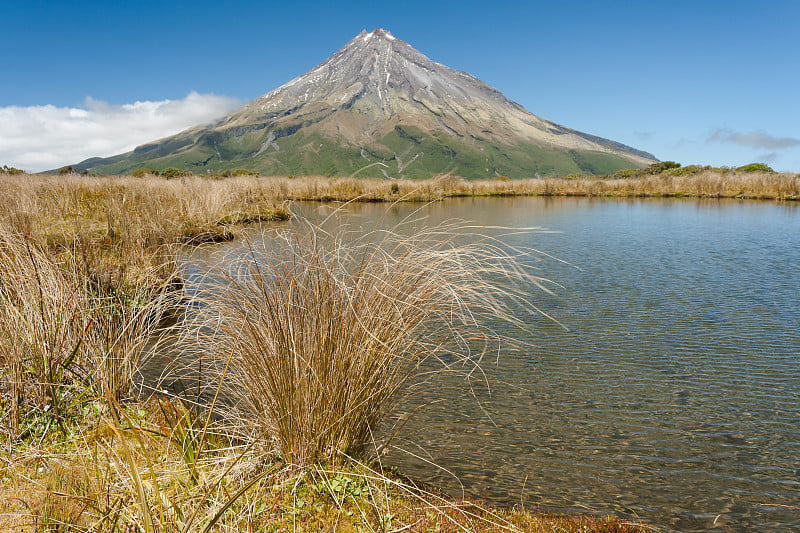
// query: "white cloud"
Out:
[44,137]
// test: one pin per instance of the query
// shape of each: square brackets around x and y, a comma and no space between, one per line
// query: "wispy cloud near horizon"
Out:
[754,139]
[43,137]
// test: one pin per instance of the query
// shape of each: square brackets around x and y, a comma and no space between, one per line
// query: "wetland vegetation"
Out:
[90,277]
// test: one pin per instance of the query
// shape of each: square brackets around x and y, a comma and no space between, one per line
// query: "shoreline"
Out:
[54,479]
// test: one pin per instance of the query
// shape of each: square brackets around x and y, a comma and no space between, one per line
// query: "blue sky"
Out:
[696,82]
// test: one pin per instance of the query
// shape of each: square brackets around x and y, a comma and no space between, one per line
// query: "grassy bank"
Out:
[157,466]
[703,184]
[121,229]
[139,212]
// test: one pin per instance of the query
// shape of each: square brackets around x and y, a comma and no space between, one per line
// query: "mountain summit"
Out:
[378,107]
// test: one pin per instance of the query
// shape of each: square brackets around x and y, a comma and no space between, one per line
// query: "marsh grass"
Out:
[87,269]
[319,329]
[42,327]
[126,214]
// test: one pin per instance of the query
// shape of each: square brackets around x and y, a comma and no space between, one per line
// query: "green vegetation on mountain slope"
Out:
[405,152]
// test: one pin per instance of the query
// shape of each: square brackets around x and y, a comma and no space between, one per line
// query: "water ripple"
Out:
[674,397]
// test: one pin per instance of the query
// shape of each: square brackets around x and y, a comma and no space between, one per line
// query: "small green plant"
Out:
[172,172]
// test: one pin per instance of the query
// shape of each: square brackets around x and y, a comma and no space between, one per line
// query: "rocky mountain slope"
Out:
[378,107]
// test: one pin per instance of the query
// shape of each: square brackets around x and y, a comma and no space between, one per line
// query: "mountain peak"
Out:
[378,33]
[382,34]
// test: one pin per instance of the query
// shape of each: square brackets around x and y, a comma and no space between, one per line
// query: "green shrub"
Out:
[627,173]
[661,166]
[172,172]
[755,167]
[67,170]
[686,171]
[5,169]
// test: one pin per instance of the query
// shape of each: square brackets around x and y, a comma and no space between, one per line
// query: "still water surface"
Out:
[674,395]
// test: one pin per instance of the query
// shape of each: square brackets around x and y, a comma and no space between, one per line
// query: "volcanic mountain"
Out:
[378,107]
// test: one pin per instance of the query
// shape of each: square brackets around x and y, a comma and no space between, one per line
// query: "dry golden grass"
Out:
[139,211]
[64,335]
[317,329]
[120,225]
[705,184]
[148,210]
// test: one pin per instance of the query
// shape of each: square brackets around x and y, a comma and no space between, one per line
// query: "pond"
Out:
[672,394]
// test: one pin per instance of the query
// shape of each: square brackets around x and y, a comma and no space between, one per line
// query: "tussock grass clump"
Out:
[41,327]
[65,335]
[320,329]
